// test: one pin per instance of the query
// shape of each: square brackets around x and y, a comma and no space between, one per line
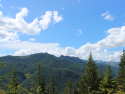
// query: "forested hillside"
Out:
[62,68]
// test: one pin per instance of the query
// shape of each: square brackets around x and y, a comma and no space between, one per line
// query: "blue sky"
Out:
[63,27]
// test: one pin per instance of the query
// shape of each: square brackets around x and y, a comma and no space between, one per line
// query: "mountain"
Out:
[108,63]
[63,68]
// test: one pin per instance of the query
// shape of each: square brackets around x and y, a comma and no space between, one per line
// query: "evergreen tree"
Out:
[121,72]
[47,88]
[101,75]
[69,87]
[13,84]
[89,80]
[1,77]
[40,79]
[109,84]
[38,87]
[1,65]
[53,88]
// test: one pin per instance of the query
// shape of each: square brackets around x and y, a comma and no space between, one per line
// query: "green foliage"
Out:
[40,79]
[53,88]
[109,84]
[63,68]
[69,89]
[121,72]
[13,86]
[1,65]
[89,80]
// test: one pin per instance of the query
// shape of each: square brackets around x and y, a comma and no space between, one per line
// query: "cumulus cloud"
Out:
[8,36]
[24,52]
[46,20]
[8,24]
[114,38]
[56,17]
[115,56]
[99,50]
[108,16]
[19,24]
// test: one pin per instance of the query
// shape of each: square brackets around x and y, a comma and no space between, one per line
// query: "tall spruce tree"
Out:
[109,84]
[121,72]
[69,87]
[40,79]
[13,84]
[1,77]
[89,80]
[53,88]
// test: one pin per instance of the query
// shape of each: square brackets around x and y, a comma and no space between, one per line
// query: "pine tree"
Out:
[1,65]
[121,72]
[13,84]
[1,77]
[53,88]
[48,88]
[109,84]
[40,79]
[38,87]
[89,80]
[69,87]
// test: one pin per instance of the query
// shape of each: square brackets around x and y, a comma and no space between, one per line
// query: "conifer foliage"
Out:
[89,80]
[109,84]
[13,84]
[69,87]
[53,88]
[40,79]
[121,72]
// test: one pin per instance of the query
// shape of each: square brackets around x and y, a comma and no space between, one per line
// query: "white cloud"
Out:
[108,16]
[114,39]
[26,48]
[32,39]
[8,36]
[79,32]
[105,51]
[19,24]
[46,20]
[115,56]
[24,52]
[105,13]
[56,17]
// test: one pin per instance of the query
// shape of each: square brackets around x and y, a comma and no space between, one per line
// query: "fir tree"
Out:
[1,77]
[53,88]
[13,84]
[109,84]
[40,79]
[47,88]
[121,72]
[89,80]
[38,87]
[69,87]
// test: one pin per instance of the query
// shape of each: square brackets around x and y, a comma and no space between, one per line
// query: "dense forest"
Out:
[80,78]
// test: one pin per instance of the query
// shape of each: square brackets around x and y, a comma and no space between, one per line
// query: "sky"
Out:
[63,27]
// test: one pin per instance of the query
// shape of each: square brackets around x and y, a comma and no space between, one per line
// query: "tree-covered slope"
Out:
[63,68]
